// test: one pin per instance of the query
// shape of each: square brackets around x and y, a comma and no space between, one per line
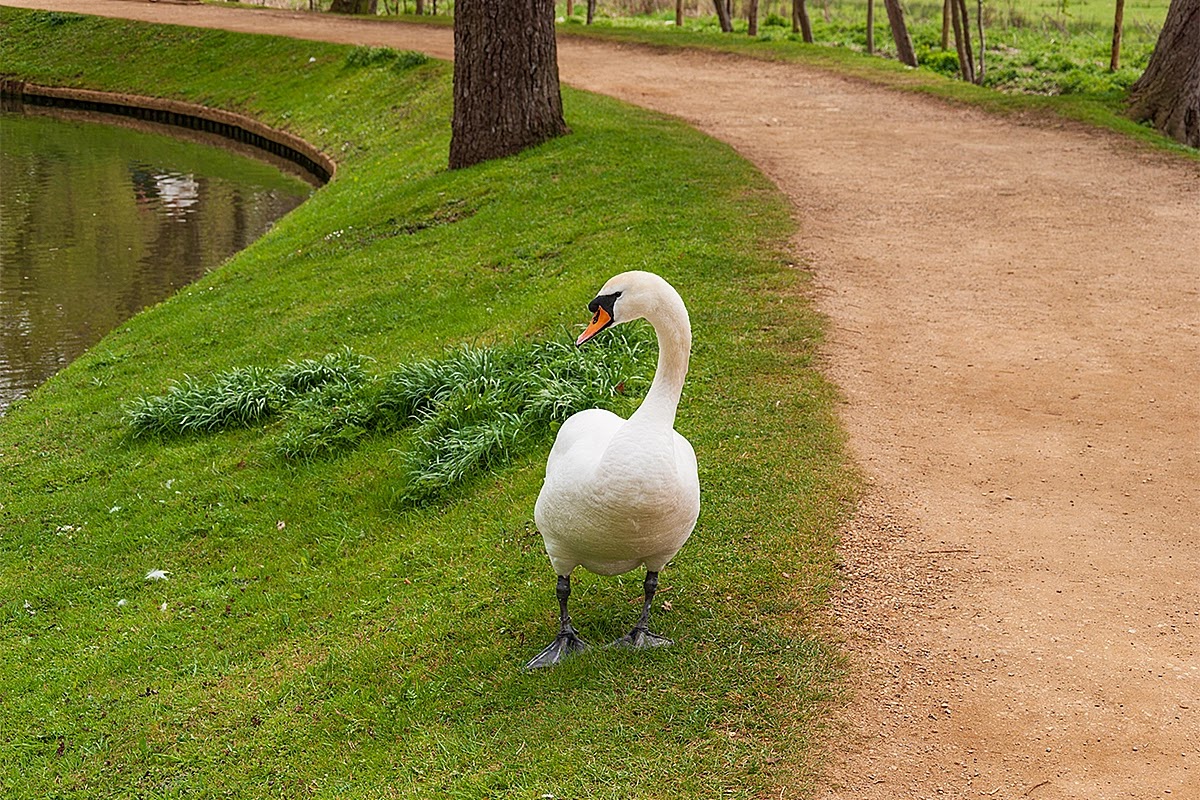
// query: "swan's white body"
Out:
[619,493]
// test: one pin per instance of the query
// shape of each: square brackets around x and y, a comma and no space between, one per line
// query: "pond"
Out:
[98,221]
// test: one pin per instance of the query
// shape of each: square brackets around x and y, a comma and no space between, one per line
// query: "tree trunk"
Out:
[591,11]
[570,8]
[870,27]
[354,7]
[1114,63]
[800,20]
[966,31]
[420,7]
[947,13]
[752,18]
[506,95]
[982,44]
[1168,93]
[962,29]
[723,16]
[904,45]
[678,13]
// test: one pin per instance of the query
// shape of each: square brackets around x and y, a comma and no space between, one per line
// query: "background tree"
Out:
[1114,62]
[1168,93]
[871,27]
[506,95]
[800,21]
[962,39]
[723,15]
[904,45]
[354,6]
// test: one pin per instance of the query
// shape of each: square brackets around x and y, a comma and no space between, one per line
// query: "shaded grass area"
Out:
[315,636]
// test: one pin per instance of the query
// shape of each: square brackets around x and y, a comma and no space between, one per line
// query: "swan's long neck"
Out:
[674,331]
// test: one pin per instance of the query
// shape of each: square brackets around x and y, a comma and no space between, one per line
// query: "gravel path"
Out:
[1015,314]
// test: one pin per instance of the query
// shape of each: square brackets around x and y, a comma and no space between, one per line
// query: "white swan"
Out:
[619,493]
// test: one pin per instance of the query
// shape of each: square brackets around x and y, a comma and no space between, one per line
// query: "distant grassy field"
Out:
[1037,46]
[317,635]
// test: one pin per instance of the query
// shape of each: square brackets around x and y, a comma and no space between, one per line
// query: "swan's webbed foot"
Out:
[567,642]
[640,637]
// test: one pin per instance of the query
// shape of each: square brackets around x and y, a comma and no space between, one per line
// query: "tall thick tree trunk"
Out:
[904,45]
[1168,93]
[678,13]
[800,21]
[752,18]
[506,95]
[591,11]
[723,16]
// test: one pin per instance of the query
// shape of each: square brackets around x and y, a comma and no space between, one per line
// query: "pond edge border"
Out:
[176,113]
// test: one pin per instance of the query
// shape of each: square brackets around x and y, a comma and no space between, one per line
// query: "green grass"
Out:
[316,635]
[474,409]
[1042,64]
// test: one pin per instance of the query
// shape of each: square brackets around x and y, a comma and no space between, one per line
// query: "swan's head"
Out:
[626,297]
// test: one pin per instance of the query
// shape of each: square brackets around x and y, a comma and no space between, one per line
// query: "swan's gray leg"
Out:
[641,635]
[568,640]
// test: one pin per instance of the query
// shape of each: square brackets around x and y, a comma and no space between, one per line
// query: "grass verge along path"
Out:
[315,635]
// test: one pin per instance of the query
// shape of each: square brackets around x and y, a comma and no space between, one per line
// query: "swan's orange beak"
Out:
[599,322]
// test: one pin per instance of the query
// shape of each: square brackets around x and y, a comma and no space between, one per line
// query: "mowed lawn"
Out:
[319,634]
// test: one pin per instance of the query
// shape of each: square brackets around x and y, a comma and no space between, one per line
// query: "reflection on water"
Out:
[97,222]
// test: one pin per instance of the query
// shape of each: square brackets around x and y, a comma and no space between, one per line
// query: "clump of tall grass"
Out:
[400,60]
[480,407]
[470,410]
[238,398]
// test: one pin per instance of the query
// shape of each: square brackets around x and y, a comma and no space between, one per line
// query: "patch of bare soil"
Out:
[1015,314]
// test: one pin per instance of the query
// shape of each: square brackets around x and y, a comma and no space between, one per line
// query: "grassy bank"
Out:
[316,634]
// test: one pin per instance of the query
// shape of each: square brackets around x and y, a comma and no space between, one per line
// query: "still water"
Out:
[99,221]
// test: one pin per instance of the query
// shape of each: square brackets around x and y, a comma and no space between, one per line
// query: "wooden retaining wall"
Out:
[226,124]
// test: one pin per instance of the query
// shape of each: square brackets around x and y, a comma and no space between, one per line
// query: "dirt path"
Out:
[1016,328]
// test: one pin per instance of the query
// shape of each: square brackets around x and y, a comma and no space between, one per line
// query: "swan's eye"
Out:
[605,301]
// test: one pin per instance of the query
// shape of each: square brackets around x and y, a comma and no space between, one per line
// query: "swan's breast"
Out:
[635,503]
